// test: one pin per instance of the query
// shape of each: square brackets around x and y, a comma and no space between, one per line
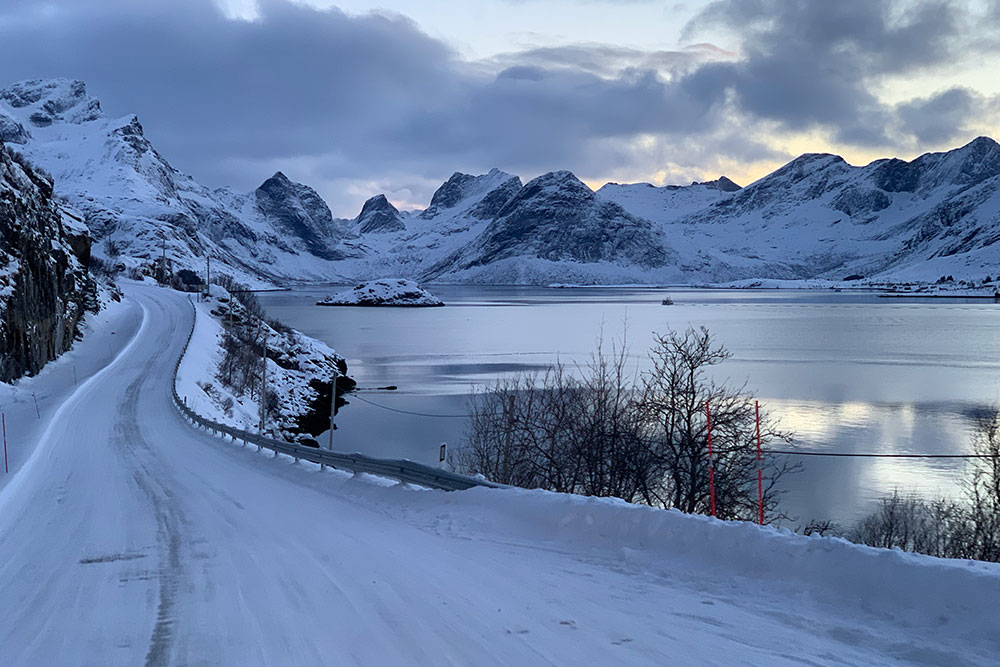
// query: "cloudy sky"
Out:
[356,98]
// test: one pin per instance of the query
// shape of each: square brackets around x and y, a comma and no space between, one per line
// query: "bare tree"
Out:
[677,395]
[606,432]
[983,487]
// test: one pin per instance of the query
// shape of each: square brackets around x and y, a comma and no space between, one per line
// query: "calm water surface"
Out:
[842,371]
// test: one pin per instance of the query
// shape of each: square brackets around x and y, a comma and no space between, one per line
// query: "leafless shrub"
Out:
[642,439]
[946,528]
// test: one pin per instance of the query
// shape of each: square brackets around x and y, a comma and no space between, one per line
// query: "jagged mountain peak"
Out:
[378,203]
[279,178]
[559,186]
[379,216]
[300,211]
[722,184]
[466,190]
[278,182]
[48,101]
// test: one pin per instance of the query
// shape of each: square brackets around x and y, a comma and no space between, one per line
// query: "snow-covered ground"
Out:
[303,359]
[126,535]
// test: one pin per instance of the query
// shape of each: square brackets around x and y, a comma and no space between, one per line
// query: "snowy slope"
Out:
[137,205]
[151,541]
[410,243]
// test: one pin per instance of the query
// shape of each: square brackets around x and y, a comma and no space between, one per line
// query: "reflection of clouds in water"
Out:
[844,372]
[845,488]
[815,423]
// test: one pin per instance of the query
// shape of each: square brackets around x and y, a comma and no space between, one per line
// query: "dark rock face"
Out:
[379,216]
[490,205]
[453,191]
[895,175]
[722,184]
[44,288]
[464,188]
[556,217]
[299,210]
[855,201]
[11,131]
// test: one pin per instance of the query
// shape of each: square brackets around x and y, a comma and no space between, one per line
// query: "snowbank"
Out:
[385,292]
[298,372]
[909,590]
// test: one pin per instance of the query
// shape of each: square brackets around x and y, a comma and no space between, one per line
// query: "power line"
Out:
[793,452]
[784,452]
[409,412]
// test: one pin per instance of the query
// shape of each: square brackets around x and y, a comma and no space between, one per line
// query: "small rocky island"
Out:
[385,292]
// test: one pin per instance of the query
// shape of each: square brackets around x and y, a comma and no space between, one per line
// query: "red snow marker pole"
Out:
[711,467]
[760,474]
[3,423]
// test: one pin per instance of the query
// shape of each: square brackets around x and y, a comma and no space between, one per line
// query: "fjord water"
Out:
[843,371]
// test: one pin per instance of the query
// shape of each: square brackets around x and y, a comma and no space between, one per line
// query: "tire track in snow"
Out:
[148,476]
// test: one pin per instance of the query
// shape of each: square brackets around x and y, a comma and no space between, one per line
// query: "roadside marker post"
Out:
[3,423]
[37,413]
[711,465]
[760,472]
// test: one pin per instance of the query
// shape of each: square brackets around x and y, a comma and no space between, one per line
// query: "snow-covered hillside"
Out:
[139,207]
[815,218]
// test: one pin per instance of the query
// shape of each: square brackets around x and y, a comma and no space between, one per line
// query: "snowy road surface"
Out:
[129,537]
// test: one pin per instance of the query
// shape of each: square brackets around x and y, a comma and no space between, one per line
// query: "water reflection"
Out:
[843,371]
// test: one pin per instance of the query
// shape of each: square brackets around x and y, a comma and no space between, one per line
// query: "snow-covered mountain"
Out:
[820,217]
[555,219]
[138,206]
[816,217]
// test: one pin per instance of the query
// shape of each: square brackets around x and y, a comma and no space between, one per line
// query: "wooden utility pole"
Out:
[163,259]
[263,377]
[208,275]
[333,406]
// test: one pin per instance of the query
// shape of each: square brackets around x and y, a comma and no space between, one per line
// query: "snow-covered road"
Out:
[129,537]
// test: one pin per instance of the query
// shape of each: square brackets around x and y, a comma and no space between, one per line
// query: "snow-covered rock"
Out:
[557,218]
[378,216]
[45,289]
[385,292]
[221,373]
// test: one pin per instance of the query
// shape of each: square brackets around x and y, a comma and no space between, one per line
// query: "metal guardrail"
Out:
[401,469]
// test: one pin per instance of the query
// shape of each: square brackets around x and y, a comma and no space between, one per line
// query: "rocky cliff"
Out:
[44,285]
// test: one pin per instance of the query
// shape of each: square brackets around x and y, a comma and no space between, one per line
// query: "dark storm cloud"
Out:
[354,103]
[609,60]
[941,117]
[815,64]
[352,96]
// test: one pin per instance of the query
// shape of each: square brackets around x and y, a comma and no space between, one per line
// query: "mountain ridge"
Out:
[815,217]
